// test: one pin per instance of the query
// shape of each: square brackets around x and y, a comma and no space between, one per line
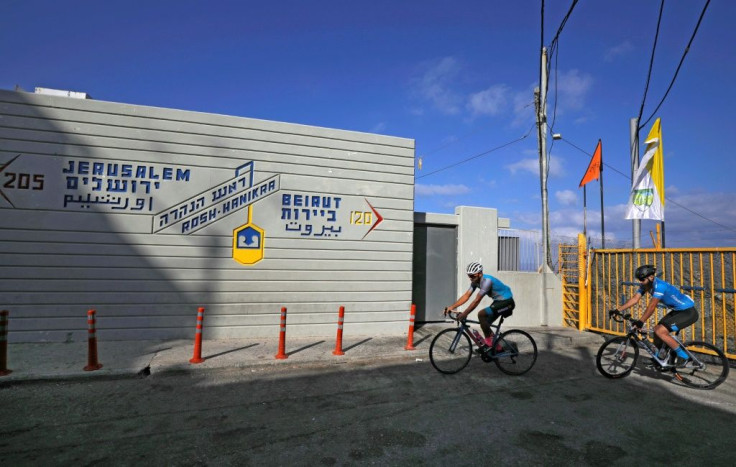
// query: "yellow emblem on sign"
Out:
[248,240]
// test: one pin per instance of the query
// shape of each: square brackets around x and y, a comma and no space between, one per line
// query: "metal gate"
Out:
[435,256]
[572,273]
[595,282]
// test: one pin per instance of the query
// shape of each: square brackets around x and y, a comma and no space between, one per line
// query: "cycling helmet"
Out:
[474,268]
[642,272]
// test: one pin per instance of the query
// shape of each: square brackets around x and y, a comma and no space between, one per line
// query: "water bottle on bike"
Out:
[650,345]
[480,340]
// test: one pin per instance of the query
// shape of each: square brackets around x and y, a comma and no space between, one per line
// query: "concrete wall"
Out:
[145,214]
[538,296]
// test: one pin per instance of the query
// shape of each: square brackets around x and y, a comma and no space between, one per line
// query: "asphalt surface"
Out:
[377,405]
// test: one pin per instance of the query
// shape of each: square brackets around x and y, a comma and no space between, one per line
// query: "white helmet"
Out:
[474,268]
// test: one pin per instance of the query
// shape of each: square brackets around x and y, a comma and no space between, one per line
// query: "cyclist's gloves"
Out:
[638,323]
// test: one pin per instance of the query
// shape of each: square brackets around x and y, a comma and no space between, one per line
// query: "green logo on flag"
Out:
[644,198]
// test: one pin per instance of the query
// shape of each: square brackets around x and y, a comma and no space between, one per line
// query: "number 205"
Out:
[22,181]
[361,218]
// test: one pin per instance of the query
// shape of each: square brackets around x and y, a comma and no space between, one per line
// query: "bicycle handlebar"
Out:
[463,321]
[620,318]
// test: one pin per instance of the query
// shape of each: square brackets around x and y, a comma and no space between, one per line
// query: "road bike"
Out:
[514,352]
[617,357]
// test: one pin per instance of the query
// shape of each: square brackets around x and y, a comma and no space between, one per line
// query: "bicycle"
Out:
[514,352]
[617,357]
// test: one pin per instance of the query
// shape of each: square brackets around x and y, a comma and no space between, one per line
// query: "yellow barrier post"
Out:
[582,291]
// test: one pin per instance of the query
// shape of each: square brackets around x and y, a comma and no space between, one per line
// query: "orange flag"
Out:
[594,168]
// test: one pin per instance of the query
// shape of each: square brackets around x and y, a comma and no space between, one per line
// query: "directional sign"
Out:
[248,242]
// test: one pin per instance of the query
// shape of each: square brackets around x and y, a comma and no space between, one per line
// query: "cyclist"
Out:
[683,312]
[503,299]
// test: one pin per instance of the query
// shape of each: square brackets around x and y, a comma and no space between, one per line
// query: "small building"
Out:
[145,214]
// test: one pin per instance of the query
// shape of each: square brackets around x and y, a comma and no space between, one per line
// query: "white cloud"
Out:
[379,127]
[671,190]
[572,88]
[492,101]
[435,85]
[524,107]
[432,190]
[566,197]
[618,51]
[531,165]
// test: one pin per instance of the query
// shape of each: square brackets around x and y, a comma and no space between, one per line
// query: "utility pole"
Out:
[634,138]
[540,99]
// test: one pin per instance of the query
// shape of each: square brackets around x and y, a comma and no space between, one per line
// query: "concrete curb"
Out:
[55,362]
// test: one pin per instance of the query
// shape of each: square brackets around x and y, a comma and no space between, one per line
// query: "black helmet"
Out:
[642,272]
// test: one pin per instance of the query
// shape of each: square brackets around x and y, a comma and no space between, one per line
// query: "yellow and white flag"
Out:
[646,200]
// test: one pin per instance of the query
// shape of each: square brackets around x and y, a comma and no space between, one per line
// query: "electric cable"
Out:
[478,155]
[687,49]
[651,62]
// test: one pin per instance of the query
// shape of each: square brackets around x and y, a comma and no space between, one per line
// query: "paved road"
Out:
[561,413]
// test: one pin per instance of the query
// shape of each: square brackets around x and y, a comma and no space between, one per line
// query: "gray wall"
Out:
[538,296]
[117,207]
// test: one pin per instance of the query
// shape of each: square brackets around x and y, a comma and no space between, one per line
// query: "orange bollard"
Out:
[410,337]
[282,336]
[197,358]
[4,343]
[338,343]
[92,363]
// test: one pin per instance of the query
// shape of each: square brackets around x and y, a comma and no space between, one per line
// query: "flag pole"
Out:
[662,240]
[603,225]
[585,207]
[593,172]
[634,140]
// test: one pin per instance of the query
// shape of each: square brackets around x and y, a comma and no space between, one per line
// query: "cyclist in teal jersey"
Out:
[683,312]
[503,299]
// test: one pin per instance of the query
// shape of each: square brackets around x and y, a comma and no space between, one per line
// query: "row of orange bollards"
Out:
[94,364]
[281,354]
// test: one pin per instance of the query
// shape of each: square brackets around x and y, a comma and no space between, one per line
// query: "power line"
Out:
[668,199]
[479,155]
[460,138]
[651,62]
[562,25]
[554,52]
[687,49]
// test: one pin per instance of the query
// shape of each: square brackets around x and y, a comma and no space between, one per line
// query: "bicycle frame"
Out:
[465,328]
[663,362]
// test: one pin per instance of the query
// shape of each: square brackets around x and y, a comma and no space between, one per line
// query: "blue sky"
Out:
[457,77]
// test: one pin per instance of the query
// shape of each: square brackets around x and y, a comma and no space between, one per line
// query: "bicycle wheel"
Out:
[519,352]
[450,351]
[711,372]
[617,357]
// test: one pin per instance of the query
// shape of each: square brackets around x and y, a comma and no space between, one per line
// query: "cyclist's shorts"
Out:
[679,319]
[498,308]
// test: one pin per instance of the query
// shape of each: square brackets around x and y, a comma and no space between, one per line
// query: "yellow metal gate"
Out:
[593,285]
[572,258]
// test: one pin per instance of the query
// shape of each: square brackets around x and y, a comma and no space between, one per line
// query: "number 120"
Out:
[361,218]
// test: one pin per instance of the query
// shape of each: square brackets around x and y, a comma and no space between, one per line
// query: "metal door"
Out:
[435,248]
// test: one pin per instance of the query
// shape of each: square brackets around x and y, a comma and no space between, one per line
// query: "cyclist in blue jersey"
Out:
[503,299]
[683,312]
